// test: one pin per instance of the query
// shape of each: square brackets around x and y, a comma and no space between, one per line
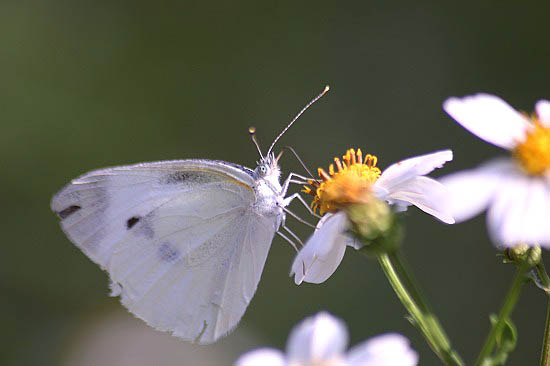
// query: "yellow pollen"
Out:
[534,153]
[350,182]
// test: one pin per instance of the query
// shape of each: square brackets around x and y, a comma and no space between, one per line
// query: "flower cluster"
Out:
[516,190]
[321,340]
[359,204]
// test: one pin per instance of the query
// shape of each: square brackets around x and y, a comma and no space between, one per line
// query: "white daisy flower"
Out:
[356,180]
[514,190]
[321,340]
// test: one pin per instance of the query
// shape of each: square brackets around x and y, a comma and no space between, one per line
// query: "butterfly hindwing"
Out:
[197,288]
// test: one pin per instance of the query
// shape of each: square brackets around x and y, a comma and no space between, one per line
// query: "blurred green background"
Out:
[88,84]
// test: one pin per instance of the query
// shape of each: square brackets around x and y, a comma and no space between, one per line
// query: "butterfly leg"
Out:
[288,239]
[299,176]
[287,229]
[289,180]
[290,198]
[297,218]
[295,181]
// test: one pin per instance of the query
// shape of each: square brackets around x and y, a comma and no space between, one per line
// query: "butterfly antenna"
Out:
[291,149]
[252,132]
[297,116]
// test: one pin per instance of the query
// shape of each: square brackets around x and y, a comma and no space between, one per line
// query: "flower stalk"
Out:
[379,233]
[417,307]
[543,281]
[545,352]
[504,313]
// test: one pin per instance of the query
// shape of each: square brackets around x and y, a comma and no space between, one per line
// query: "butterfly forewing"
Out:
[181,241]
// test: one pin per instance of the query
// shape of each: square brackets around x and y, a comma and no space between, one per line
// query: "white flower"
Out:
[515,190]
[321,340]
[401,184]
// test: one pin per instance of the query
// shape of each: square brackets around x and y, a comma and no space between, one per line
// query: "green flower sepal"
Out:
[377,228]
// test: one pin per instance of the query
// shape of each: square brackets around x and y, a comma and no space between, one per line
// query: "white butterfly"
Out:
[185,241]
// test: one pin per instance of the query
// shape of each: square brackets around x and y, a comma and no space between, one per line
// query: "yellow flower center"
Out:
[534,153]
[349,183]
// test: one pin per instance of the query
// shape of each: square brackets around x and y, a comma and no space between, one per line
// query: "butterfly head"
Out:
[268,168]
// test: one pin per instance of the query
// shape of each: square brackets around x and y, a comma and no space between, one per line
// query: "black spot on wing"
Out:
[132,221]
[201,176]
[141,226]
[167,253]
[178,177]
[188,177]
[63,214]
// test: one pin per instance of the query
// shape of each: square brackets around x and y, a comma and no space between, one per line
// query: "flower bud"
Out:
[523,253]
[375,225]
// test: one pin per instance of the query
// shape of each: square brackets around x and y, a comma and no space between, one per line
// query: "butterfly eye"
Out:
[263,170]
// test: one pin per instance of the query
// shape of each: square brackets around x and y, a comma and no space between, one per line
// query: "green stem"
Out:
[545,353]
[504,313]
[416,293]
[409,280]
[543,279]
[545,283]
[426,322]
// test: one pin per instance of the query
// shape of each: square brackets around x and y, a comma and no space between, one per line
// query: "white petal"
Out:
[543,112]
[536,220]
[262,357]
[471,191]
[520,211]
[503,215]
[399,172]
[383,350]
[489,118]
[323,251]
[425,193]
[318,338]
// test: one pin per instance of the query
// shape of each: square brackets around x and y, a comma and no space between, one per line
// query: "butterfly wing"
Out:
[181,240]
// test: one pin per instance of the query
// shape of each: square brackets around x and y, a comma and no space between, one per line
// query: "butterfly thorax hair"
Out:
[268,189]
